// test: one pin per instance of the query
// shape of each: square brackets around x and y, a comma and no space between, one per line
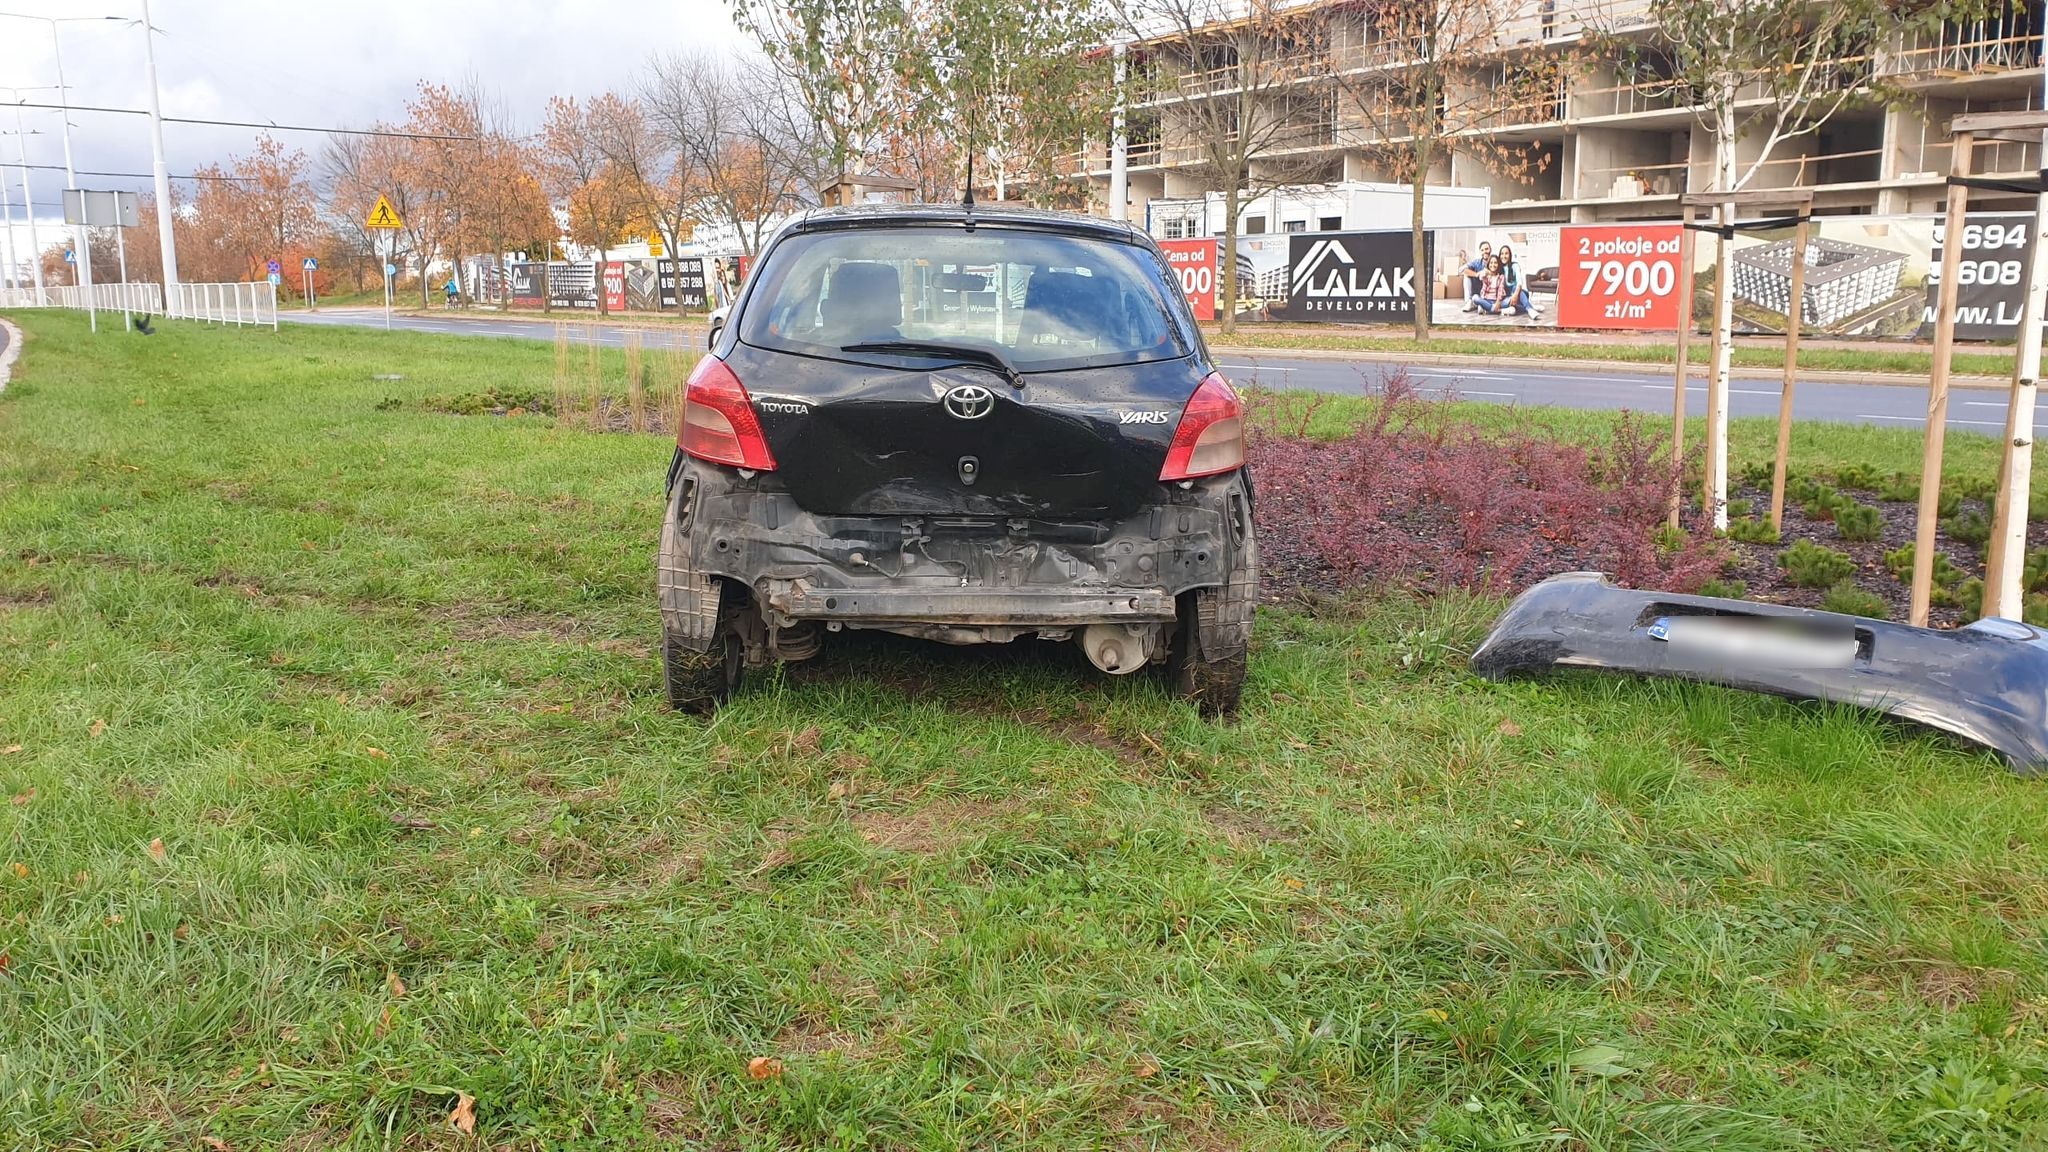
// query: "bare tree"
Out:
[1420,80]
[749,146]
[1239,85]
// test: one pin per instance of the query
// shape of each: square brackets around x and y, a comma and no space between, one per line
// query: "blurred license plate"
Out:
[1756,640]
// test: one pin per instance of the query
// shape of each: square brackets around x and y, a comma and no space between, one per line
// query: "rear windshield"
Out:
[1039,301]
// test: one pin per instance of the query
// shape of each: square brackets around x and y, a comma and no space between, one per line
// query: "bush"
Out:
[1971,527]
[1726,589]
[1861,476]
[1417,495]
[1899,562]
[1802,490]
[1946,503]
[2035,611]
[2035,576]
[1737,509]
[1900,487]
[1757,473]
[1825,504]
[1808,565]
[1752,532]
[1968,597]
[1859,522]
[1845,597]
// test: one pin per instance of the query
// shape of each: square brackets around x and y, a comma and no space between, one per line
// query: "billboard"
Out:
[1352,277]
[1463,289]
[1619,276]
[1991,285]
[1194,263]
[682,283]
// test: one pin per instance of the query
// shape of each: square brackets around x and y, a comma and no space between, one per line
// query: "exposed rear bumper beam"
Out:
[1052,607]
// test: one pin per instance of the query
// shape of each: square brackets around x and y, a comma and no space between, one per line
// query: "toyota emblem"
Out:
[969,401]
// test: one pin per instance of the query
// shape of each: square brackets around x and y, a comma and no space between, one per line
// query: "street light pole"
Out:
[81,242]
[166,240]
[28,198]
[7,228]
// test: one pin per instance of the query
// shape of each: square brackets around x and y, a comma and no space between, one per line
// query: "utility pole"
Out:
[166,239]
[13,277]
[81,238]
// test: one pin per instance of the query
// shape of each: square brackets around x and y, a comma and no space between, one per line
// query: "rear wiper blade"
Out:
[965,355]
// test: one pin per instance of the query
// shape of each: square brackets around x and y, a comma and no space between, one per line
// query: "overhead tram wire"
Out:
[274,127]
[129,175]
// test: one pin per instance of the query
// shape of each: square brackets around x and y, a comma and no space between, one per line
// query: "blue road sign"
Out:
[391,269]
[312,264]
[275,279]
[274,267]
[70,257]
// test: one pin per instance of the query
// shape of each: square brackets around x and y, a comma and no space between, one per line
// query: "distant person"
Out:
[452,290]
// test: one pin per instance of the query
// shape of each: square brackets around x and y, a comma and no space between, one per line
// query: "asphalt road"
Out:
[1883,405]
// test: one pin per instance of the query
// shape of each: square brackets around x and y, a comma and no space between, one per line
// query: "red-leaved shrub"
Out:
[1418,497]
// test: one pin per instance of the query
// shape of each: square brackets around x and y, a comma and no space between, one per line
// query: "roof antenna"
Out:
[967,199]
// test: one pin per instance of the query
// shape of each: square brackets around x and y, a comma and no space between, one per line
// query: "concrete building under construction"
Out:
[1606,141]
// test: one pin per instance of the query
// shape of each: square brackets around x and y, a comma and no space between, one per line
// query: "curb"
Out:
[1596,367]
[9,354]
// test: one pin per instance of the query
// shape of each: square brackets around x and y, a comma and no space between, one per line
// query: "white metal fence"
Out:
[249,303]
[253,303]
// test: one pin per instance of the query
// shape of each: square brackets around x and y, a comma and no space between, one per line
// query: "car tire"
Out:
[1207,662]
[703,656]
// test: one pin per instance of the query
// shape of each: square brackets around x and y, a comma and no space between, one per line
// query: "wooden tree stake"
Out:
[1795,312]
[1937,383]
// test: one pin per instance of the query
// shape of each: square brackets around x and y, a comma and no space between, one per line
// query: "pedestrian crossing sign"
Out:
[384,216]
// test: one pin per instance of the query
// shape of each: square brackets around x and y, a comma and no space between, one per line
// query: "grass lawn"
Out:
[344,803]
[1878,358]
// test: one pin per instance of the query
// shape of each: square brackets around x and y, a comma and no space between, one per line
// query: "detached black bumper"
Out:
[1986,683]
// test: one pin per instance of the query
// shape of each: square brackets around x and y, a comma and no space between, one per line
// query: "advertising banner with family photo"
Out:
[1490,276]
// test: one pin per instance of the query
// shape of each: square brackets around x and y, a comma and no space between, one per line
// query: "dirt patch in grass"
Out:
[930,829]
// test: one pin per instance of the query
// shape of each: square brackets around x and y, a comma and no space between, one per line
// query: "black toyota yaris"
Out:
[967,425]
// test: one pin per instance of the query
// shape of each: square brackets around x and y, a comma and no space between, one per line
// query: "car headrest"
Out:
[1070,305]
[866,297]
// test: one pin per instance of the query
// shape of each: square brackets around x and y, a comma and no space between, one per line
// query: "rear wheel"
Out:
[1208,660]
[702,652]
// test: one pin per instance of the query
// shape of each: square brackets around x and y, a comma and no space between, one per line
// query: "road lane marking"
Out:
[1923,419]
[1256,368]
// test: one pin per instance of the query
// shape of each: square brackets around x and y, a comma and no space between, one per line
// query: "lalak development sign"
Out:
[1352,277]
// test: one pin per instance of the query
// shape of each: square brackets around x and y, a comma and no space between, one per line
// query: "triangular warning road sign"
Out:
[384,216]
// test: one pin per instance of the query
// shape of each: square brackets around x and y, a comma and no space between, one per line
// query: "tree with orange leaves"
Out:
[599,197]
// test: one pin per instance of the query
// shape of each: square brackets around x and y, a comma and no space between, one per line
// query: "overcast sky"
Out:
[308,62]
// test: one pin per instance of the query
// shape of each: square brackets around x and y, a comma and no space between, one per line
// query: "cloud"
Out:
[311,62]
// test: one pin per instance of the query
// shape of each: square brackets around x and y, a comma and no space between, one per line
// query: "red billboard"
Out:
[1619,276]
[615,286]
[1194,261]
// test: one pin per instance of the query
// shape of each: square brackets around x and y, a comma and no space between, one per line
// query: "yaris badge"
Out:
[969,401]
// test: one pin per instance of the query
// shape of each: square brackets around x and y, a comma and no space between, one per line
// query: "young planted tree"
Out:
[1422,80]
[1238,84]
[1771,70]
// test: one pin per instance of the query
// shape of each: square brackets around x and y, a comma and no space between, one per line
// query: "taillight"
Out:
[719,424]
[1210,438]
